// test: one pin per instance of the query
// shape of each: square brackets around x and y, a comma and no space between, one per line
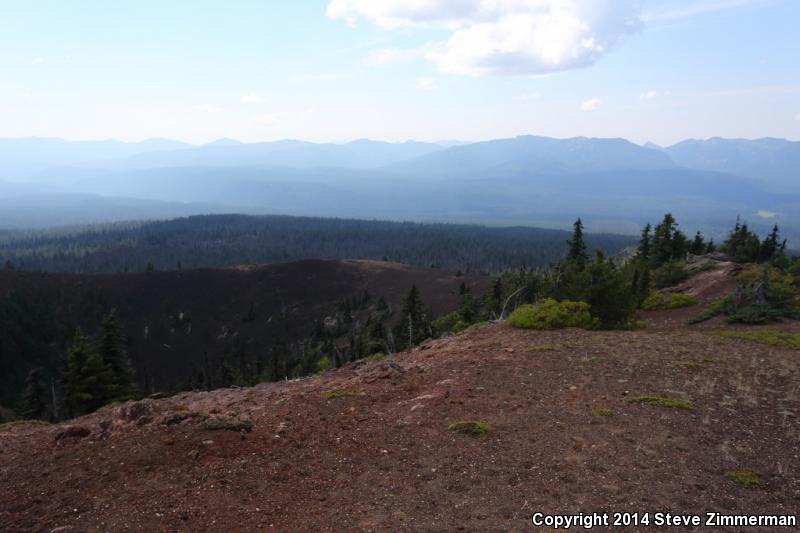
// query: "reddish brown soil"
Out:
[383,458]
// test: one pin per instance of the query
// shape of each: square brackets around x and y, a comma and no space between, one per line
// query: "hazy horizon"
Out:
[327,70]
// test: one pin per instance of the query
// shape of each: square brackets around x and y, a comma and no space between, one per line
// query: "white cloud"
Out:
[591,104]
[325,76]
[649,95]
[426,84]
[518,37]
[270,118]
[388,56]
[208,108]
[695,8]
[767,214]
[529,96]
[254,98]
[39,60]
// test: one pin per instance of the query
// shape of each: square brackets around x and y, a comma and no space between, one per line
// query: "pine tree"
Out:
[669,243]
[771,246]
[576,253]
[88,381]
[742,245]
[111,349]
[34,397]
[698,246]
[414,324]
[644,243]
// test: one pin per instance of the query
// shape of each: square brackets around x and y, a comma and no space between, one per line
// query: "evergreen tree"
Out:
[576,253]
[771,246]
[644,243]
[608,293]
[88,382]
[668,243]
[34,397]
[699,245]
[414,324]
[742,245]
[111,349]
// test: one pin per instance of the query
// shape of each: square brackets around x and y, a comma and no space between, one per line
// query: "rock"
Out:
[133,411]
[73,432]
[222,423]
[176,418]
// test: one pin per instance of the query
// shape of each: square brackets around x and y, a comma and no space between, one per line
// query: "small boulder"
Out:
[73,432]
[225,423]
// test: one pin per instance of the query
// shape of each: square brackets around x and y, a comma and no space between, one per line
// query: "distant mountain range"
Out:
[614,184]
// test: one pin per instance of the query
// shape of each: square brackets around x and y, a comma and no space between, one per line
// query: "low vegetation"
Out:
[770,337]
[470,427]
[550,314]
[668,300]
[746,477]
[602,411]
[544,348]
[333,395]
[664,402]
[13,423]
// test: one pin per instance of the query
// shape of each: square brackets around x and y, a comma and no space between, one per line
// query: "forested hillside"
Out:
[228,240]
[206,328]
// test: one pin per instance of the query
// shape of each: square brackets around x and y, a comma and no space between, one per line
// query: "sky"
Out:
[431,70]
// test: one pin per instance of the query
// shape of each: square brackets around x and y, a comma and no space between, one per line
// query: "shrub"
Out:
[337,394]
[450,323]
[32,422]
[550,314]
[715,309]
[763,294]
[664,402]
[470,427]
[746,477]
[668,300]
[670,274]
[770,337]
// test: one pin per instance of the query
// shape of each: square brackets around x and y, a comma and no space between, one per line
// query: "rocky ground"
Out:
[367,447]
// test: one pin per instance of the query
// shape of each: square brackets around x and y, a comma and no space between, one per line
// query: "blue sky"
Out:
[334,70]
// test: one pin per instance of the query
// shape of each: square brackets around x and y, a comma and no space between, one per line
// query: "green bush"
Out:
[668,300]
[670,274]
[550,314]
[450,323]
[770,337]
[715,309]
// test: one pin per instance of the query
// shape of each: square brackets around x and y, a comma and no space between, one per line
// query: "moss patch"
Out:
[13,423]
[664,402]
[337,394]
[550,314]
[746,477]
[470,427]
[544,348]
[602,411]
[770,337]
[668,300]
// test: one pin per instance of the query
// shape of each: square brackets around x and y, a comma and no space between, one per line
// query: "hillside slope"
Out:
[380,457]
[178,322]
